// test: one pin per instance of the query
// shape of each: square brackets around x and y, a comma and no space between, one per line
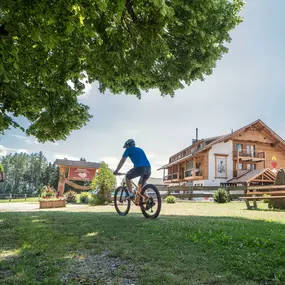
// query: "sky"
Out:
[247,84]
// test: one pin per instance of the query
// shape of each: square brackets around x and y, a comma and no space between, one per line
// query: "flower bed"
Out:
[49,199]
[49,203]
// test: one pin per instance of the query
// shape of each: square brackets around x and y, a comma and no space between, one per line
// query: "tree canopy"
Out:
[50,49]
[28,173]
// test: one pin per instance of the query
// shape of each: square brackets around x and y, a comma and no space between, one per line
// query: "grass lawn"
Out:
[31,199]
[191,243]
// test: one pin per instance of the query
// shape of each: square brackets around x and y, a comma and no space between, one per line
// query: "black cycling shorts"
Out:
[142,171]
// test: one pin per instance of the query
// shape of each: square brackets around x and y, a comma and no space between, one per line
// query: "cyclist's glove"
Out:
[115,172]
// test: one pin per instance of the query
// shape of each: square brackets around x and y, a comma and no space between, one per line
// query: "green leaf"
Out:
[35,36]
[6,79]
[121,4]
[70,28]
[163,11]
[102,6]
[159,3]
[81,20]
[16,66]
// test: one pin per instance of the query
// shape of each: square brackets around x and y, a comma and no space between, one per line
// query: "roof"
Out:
[227,137]
[155,181]
[209,142]
[253,175]
[77,163]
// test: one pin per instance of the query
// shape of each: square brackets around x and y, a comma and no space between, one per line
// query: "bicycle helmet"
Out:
[129,142]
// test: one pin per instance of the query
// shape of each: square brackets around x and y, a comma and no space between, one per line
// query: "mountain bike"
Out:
[147,198]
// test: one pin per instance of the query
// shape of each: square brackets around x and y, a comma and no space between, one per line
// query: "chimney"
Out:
[196,139]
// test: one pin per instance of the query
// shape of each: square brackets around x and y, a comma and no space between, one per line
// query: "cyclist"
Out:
[141,168]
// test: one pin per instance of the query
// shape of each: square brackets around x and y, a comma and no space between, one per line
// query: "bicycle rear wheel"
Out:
[122,205]
[151,205]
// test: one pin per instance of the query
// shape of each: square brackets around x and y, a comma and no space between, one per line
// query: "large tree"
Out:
[49,49]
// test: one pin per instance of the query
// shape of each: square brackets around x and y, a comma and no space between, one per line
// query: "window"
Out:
[189,165]
[239,166]
[239,146]
[250,149]
[250,166]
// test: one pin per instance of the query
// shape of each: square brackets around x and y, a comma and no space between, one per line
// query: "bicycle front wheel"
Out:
[150,202]
[122,205]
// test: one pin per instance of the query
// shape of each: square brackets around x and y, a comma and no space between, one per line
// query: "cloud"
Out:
[31,140]
[22,150]
[113,161]
[5,150]
[26,139]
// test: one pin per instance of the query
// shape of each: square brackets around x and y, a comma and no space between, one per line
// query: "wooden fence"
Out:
[11,196]
[187,192]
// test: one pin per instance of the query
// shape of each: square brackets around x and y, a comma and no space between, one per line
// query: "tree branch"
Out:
[129,6]
[3,31]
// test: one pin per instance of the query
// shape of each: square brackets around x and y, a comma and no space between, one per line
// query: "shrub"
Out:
[94,200]
[70,196]
[48,192]
[105,181]
[221,196]
[84,196]
[170,199]
[266,200]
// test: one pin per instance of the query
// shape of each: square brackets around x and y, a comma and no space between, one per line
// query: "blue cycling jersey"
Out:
[137,156]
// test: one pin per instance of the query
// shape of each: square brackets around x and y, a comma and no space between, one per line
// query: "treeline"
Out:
[27,173]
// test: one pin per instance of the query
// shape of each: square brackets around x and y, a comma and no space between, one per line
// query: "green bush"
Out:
[48,192]
[84,196]
[105,182]
[221,196]
[266,200]
[95,200]
[70,196]
[170,199]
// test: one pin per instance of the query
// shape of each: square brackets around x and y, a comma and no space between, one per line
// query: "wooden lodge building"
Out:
[251,155]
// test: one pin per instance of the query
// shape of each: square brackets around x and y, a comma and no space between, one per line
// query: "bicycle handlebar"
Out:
[119,174]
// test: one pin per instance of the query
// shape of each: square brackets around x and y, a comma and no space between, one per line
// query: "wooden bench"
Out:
[255,194]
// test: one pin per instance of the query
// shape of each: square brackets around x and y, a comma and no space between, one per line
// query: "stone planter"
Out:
[44,204]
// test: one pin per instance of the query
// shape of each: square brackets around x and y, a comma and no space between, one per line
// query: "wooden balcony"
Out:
[189,175]
[174,177]
[249,155]
[193,174]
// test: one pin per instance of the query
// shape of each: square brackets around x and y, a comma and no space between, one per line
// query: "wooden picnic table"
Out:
[256,193]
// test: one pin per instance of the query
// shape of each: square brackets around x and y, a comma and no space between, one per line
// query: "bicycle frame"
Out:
[138,187]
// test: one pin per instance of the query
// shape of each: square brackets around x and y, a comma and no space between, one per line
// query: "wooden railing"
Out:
[170,177]
[187,174]
[246,153]
[193,172]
